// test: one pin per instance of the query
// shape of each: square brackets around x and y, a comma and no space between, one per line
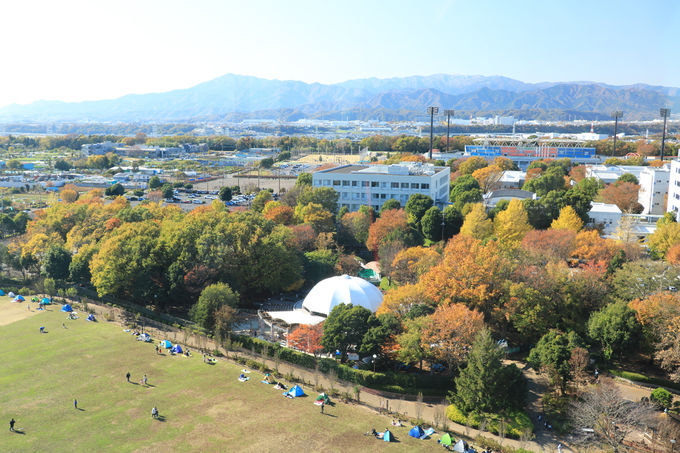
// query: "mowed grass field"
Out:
[204,408]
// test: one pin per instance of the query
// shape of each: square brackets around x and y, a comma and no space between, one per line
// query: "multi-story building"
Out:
[372,185]
[653,189]
[673,204]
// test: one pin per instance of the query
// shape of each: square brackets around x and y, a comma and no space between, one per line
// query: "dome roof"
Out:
[342,289]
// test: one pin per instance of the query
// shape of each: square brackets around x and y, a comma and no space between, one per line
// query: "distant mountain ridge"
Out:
[233,97]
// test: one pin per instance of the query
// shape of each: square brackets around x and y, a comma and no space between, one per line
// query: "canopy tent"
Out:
[461,446]
[323,397]
[11,294]
[387,437]
[2,293]
[446,440]
[19,298]
[144,337]
[416,432]
[166,344]
[66,308]
[45,301]
[177,349]
[295,391]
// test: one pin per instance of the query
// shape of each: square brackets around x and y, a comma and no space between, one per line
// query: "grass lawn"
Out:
[204,407]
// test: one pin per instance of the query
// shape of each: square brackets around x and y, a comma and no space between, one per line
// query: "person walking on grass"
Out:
[75,403]
[11,425]
[127,376]
[322,406]
[154,412]
[144,380]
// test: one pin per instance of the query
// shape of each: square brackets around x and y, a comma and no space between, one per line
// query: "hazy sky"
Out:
[90,49]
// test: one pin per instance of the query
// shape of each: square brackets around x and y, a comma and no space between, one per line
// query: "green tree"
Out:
[390,204]
[552,179]
[167,191]
[662,398]
[56,262]
[344,329]
[453,220]
[551,355]
[115,190]
[615,328]
[212,298]
[20,222]
[50,286]
[62,165]
[628,177]
[225,193]
[325,196]
[319,264]
[485,385]
[431,224]
[380,328]
[410,341]
[267,162]
[261,199]
[416,207]
[303,179]
[155,182]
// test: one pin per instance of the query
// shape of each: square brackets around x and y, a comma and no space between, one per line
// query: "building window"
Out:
[424,186]
[395,185]
[375,184]
[384,196]
[336,182]
[414,185]
[354,183]
[345,183]
[375,196]
[364,183]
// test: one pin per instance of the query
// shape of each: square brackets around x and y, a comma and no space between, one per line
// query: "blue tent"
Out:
[2,293]
[387,437]
[416,432]
[66,307]
[296,391]
[166,344]
[177,349]
[19,298]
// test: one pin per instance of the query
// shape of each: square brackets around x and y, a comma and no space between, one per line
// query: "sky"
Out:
[74,50]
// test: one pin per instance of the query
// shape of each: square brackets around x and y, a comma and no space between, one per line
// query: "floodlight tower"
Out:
[432,111]
[449,114]
[616,114]
[664,114]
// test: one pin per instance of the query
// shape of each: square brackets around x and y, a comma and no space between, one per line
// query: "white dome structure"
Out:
[343,289]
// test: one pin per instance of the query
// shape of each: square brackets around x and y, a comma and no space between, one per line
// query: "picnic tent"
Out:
[2,293]
[166,344]
[446,440]
[144,337]
[296,391]
[323,397]
[11,294]
[19,298]
[66,308]
[461,446]
[416,432]
[177,349]
[387,437]
[45,301]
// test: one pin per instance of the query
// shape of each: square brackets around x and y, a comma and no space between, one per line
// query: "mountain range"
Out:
[234,97]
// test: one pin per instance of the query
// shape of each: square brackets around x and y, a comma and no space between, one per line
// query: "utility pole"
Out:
[616,115]
[664,114]
[449,114]
[432,111]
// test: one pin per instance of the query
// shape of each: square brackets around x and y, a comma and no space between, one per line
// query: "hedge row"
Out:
[645,379]
[517,422]
[388,380]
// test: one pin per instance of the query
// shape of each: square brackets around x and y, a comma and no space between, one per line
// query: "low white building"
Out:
[512,179]
[605,215]
[673,204]
[373,185]
[608,174]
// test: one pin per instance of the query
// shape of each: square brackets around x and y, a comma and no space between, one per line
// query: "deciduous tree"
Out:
[568,220]
[512,224]
[477,224]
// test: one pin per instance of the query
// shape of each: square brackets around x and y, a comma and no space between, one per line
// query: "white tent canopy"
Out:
[343,289]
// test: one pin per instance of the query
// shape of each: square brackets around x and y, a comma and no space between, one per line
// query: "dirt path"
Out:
[15,311]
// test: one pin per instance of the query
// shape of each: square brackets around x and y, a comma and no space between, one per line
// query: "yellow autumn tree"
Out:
[667,234]
[411,263]
[477,224]
[512,224]
[400,300]
[488,177]
[568,220]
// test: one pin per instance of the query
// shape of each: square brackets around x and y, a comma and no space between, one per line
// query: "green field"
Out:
[204,407]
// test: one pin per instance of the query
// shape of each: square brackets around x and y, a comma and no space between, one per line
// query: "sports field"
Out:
[202,407]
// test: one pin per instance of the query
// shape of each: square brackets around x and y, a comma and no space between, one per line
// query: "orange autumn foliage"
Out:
[281,213]
[591,247]
[307,338]
[658,311]
[394,219]
[399,301]
[411,263]
[449,332]
[673,254]
[471,272]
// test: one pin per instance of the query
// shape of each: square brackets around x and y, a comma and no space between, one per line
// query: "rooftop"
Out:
[403,169]
[605,208]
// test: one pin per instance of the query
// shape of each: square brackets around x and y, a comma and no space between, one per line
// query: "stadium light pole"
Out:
[664,114]
[432,111]
[616,115]
[449,114]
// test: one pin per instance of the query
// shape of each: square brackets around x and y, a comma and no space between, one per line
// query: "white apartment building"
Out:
[605,215]
[653,189]
[674,188]
[372,185]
